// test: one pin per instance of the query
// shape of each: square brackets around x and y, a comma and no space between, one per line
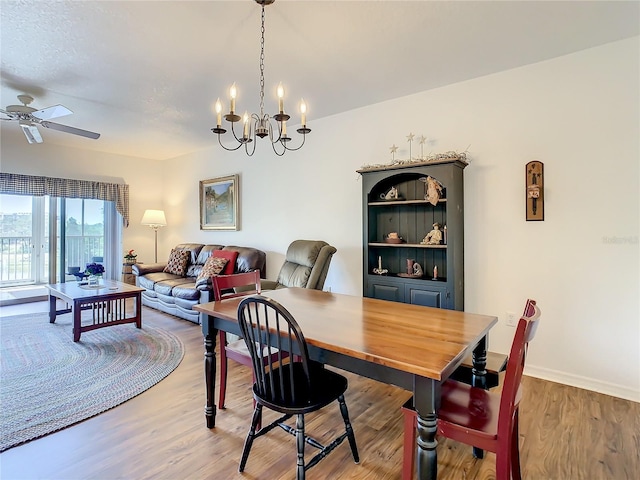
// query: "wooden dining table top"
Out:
[424,341]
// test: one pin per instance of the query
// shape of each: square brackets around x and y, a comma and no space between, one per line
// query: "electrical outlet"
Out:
[511,319]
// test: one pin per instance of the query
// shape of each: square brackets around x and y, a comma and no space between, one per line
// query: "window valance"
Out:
[18,184]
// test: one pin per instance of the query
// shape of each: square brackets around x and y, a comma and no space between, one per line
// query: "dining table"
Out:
[411,346]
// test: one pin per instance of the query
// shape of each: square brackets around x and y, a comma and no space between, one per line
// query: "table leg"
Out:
[77,312]
[52,308]
[138,300]
[479,372]
[426,395]
[210,376]
[479,376]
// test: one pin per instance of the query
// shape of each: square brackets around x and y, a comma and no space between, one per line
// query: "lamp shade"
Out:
[154,218]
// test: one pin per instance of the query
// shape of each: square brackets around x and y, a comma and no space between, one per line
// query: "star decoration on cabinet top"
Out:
[393,149]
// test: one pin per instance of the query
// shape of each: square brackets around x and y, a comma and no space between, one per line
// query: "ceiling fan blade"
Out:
[31,132]
[67,129]
[52,112]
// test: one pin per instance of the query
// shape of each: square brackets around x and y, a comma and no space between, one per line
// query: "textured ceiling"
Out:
[145,74]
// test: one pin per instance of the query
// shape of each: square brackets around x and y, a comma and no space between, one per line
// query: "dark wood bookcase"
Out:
[412,217]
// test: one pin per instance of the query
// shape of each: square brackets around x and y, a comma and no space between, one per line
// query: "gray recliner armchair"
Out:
[306,265]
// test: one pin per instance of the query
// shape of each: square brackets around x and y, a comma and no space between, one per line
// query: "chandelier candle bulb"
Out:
[219,112]
[284,129]
[303,113]
[232,94]
[280,97]
[245,118]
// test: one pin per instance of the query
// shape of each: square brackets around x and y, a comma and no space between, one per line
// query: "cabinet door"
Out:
[385,289]
[431,296]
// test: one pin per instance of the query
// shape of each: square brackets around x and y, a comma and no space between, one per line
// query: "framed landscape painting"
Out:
[219,207]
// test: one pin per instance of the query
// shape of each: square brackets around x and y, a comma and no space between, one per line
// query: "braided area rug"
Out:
[48,382]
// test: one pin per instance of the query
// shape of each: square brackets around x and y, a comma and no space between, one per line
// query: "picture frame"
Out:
[219,203]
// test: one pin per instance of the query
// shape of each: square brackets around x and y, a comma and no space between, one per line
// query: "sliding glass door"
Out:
[24,240]
[82,234]
[29,255]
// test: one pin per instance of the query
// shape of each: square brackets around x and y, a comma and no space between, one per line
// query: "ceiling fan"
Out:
[29,118]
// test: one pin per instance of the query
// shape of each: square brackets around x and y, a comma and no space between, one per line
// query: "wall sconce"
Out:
[154,219]
[534,172]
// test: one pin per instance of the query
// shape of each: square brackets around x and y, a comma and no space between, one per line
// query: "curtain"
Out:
[18,184]
[112,242]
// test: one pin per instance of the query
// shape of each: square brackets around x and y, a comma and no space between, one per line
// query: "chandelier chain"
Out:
[262,66]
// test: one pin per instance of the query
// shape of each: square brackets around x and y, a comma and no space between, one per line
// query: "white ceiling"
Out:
[145,74]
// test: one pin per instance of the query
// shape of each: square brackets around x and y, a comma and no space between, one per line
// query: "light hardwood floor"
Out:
[566,433]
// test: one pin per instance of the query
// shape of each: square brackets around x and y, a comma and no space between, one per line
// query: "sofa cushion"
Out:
[165,287]
[193,249]
[249,259]
[150,279]
[213,266]
[206,252]
[185,291]
[231,256]
[178,260]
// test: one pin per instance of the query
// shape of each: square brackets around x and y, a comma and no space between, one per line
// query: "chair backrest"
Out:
[306,264]
[222,284]
[525,331]
[266,325]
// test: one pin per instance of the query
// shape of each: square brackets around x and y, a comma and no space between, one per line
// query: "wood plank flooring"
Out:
[566,433]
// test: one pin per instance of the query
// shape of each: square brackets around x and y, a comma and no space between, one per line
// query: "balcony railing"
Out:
[17,256]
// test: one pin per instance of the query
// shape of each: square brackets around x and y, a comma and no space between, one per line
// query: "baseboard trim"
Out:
[17,301]
[607,388]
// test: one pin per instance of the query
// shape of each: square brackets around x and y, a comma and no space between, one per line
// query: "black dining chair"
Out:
[290,385]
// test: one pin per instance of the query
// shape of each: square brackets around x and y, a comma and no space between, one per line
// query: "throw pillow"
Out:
[213,266]
[177,264]
[230,255]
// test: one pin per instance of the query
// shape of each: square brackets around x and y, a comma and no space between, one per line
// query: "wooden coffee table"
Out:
[106,301]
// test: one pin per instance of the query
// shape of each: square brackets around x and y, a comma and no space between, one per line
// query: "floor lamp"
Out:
[154,219]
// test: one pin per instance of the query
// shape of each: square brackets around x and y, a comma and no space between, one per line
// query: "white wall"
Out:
[578,114]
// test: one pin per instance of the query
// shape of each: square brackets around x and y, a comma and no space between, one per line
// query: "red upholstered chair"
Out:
[224,287]
[481,418]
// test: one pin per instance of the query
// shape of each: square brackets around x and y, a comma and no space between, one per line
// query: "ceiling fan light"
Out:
[30,131]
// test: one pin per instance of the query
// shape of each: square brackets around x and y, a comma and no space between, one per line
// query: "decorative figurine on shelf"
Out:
[130,257]
[410,262]
[434,189]
[434,237]
[435,273]
[380,270]
[417,270]
[390,195]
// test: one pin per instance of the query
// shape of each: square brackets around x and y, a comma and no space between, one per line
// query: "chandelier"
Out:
[260,124]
